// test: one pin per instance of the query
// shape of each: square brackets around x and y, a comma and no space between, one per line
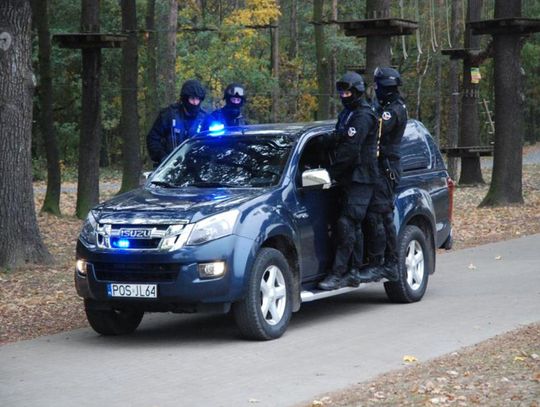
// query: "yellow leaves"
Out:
[409,359]
[256,12]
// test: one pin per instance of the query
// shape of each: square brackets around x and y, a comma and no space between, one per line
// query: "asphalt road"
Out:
[199,360]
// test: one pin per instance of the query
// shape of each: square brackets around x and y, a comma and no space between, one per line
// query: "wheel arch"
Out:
[286,246]
[424,223]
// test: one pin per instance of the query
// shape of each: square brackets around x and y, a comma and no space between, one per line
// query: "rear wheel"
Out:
[266,310]
[113,322]
[415,265]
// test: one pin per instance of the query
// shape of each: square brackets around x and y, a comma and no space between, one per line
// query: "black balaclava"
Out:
[386,94]
[192,88]
[353,101]
[234,90]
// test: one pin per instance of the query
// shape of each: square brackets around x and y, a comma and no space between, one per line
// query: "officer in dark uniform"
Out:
[382,247]
[355,168]
[229,115]
[177,122]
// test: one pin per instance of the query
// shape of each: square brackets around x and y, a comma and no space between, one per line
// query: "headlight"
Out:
[88,233]
[213,227]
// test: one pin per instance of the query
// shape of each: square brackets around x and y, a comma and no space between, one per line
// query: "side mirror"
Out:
[317,177]
[144,177]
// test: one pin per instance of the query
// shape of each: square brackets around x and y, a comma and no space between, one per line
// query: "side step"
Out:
[315,294]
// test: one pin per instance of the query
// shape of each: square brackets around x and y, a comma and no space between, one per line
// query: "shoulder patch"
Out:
[351,132]
[386,115]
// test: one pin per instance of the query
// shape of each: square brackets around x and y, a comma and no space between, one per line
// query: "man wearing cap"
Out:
[177,122]
[355,168]
[382,247]
[229,115]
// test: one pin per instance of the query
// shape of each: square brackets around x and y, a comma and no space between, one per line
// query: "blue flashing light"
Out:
[122,243]
[216,129]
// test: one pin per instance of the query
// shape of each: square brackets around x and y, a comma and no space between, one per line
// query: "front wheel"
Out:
[266,310]
[415,265]
[113,322]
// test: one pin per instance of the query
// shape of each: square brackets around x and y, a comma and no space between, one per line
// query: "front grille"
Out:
[136,243]
[136,272]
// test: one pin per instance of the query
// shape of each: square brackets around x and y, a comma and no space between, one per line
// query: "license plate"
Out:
[132,290]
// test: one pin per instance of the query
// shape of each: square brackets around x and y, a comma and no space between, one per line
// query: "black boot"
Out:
[356,276]
[390,270]
[332,281]
[367,274]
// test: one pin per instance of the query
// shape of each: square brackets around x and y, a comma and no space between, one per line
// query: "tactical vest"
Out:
[365,169]
[390,142]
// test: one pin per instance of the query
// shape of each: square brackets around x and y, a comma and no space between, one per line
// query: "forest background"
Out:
[213,45]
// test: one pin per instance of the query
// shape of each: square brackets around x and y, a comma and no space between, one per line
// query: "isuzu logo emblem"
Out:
[136,233]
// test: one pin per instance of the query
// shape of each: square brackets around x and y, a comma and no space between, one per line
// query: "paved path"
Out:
[198,360]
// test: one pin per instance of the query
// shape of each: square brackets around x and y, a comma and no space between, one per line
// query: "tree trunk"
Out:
[167,60]
[40,11]
[90,139]
[471,172]
[151,100]
[333,65]
[377,47]
[453,109]
[21,242]
[506,182]
[438,100]
[274,32]
[131,147]
[293,54]
[323,111]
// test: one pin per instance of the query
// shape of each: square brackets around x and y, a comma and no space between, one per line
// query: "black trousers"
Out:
[349,234]
[382,241]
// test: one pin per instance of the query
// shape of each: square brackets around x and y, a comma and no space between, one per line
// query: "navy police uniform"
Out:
[382,247]
[355,168]
[176,123]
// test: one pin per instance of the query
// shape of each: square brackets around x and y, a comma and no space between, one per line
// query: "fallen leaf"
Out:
[409,359]
[498,258]
[253,401]
[534,356]
[519,358]
[472,267]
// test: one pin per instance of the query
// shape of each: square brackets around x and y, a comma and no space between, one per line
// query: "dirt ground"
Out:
[504,371]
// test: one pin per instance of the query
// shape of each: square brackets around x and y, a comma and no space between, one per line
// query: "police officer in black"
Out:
[382,247]
[177,122]
[229,115]
[355,169]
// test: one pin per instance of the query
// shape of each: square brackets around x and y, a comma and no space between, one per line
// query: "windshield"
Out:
[236,161]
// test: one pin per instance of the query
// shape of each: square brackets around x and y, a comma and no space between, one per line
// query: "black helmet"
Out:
[234,90]
[192,88]
[350,81]
[386,76]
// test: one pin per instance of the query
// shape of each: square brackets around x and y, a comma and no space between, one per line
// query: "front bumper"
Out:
[180,289]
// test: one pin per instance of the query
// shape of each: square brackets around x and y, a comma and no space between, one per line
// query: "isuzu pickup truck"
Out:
[241,220]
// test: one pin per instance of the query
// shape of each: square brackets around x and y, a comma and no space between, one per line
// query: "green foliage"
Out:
[230,52]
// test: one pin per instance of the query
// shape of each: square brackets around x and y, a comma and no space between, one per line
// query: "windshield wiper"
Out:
[209,184]
[163,184]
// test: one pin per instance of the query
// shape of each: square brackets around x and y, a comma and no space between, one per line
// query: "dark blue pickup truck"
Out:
[242,220]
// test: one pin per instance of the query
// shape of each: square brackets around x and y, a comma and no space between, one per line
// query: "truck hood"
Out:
[166,206]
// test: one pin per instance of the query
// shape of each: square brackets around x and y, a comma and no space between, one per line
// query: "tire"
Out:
[113,322]
[266,310]
[416,261]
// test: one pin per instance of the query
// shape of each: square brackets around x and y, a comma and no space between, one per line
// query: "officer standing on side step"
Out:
[355,168]
[382,245]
